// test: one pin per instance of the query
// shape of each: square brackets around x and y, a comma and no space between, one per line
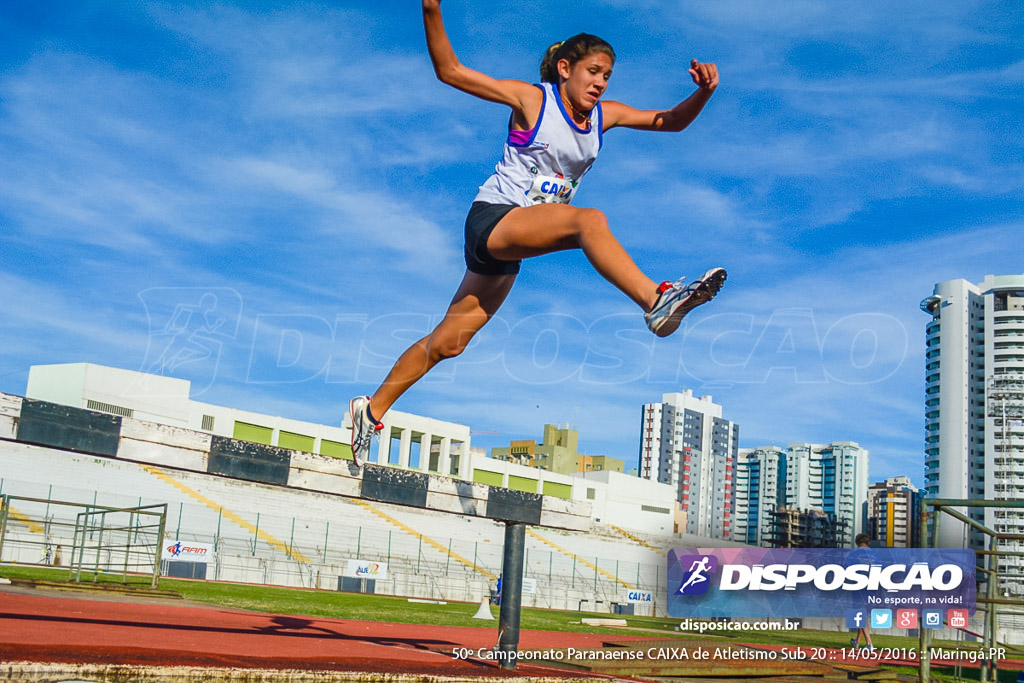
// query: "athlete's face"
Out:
[586,80]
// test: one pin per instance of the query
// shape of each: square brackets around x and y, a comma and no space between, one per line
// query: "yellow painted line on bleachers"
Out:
[245,524]
[429,541]
[34,527]
[577,557]
[637,540]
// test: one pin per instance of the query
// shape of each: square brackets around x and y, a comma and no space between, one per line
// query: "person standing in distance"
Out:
[523,209]
[863,541]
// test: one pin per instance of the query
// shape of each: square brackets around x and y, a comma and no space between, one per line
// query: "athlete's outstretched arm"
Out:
[519,95]
[704,74]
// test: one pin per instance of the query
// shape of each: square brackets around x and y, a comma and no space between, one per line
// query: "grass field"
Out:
[339,605]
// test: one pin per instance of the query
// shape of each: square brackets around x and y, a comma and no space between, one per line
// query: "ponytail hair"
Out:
[572,49]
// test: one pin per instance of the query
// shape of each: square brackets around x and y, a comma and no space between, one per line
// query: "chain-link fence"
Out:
[574,571]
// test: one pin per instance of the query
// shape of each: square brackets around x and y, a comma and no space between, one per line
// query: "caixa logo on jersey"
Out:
[805,582]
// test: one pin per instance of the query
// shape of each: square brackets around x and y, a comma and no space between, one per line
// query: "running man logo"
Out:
[175,549]
[189,327]
[696,578]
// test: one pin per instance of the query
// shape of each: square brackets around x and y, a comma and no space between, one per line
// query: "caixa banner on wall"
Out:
[816,582]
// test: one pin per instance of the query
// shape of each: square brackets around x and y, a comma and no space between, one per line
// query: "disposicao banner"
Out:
[817,582]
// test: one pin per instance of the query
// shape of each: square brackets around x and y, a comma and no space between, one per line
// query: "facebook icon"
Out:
[855,618]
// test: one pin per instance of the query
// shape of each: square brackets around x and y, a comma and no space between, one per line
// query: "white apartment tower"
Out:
[685,442]
[974,402]
[830,478]
[760,489]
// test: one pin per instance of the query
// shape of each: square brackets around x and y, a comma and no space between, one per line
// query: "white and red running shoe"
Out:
[675,300]
[363,429]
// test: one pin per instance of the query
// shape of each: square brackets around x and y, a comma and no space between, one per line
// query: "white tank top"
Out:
[544,164]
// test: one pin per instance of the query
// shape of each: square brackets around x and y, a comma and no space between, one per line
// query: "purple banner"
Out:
[813,582]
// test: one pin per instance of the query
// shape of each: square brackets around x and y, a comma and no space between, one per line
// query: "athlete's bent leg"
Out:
[476,301]
[544,228]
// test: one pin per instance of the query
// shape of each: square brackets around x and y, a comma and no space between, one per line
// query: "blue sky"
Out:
[267,199]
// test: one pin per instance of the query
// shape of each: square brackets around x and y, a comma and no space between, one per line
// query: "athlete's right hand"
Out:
[431,5]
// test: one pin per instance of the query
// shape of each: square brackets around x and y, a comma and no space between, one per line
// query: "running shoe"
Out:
[676,299]
[363,430]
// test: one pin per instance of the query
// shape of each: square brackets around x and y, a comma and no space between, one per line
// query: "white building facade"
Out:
[974,402]
[407,441]
[686,443]
[418,443]
[759,489]
[831,478]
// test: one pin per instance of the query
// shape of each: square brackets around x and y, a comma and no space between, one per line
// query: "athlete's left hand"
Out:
[704,74]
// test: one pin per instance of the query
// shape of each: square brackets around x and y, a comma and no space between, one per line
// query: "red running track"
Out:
[80,630]
[45,628]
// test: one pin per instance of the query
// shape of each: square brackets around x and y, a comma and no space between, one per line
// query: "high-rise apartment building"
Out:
[685,442]
[894,513]
[974,402]
[829,479]
[760,489]
[832,478]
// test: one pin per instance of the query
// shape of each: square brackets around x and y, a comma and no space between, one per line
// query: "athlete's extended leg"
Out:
[544,228]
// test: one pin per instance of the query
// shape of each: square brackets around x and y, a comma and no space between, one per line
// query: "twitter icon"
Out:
[881,618]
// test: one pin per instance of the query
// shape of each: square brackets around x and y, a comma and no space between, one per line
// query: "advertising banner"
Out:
[361,569]
[817,582]
[529,586]
[183,551]
[640,597]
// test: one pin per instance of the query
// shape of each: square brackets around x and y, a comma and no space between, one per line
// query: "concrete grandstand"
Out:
[276,533]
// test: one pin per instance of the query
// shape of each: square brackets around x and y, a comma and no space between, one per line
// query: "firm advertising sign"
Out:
[181,551]
[813,582]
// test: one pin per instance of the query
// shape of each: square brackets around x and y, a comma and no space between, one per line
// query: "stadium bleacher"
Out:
[275,534]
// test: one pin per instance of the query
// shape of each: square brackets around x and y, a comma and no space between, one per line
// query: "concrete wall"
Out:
[620,499]
[74,429]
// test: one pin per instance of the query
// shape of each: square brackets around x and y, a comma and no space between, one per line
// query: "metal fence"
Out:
[106,543]
[309,552]
[1000,573]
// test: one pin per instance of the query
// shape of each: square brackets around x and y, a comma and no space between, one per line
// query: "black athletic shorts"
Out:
[479,224]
